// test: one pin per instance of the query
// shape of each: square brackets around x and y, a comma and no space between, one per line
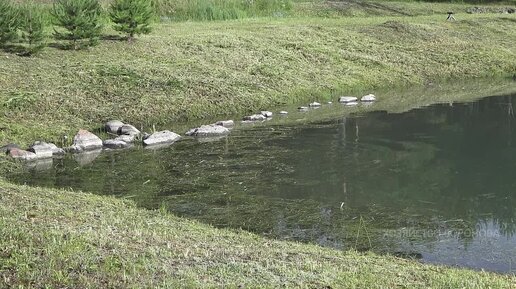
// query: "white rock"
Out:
[283,112]
[351,103]
[368,98]
[346,99]
[314,104]
[208,131]
[303,108]
[329,102]
[116,144]
[113,126]
[255,117]
[266,113]
[226,123]
[161,137]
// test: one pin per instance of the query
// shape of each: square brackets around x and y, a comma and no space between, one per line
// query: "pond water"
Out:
[436,183]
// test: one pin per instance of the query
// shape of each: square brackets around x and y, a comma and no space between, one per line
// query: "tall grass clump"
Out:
[207,10]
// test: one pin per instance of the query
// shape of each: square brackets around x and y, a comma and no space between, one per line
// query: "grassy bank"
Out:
[67,239]
[194,70]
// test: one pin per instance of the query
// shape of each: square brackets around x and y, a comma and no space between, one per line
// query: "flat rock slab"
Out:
[208,131]
[113,126]
[85,141]
[127,138]
[116,144]
[346,99]
[283,112]
[255,117]
[161,137]
[314,104]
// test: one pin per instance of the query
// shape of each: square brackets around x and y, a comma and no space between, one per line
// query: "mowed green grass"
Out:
[191,70]
[64,239]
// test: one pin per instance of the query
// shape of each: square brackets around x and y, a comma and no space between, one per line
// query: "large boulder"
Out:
[346,99]
[85,141]
[42,148]
[208,131]
[113,126]
[128,130]
[161,137]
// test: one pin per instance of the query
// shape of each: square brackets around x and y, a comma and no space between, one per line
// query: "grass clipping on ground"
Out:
[59,239]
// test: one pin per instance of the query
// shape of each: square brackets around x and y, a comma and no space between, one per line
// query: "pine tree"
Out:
[32,29]
[80,18]
[132,17]
[9,22]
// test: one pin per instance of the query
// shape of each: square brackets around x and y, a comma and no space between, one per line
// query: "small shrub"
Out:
[9,22]
[132,17]
[32,29]
[80,19]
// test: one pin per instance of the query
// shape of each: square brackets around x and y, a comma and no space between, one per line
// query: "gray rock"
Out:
[208,131]
[41,151]
[85,141]
[40,146]
[266,113]
[226,123]
[353,103]
[127,138]
[346,99]
[368,98]
[329,102]
[303,108]
[113,126]
[6,148]
[116,144]
[161,137]
[255,117]
[128,130]
[314,104]
[23,155]
[283,112]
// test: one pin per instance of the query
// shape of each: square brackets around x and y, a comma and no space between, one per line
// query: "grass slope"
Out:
[58,239]
[194,70]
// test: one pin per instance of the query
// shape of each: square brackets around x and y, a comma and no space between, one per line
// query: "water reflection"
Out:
[436,183]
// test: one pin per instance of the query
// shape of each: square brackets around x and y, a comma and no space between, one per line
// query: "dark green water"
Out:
[436,183]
